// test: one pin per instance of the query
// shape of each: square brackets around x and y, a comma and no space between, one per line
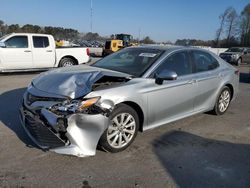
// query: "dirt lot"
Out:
[200,151]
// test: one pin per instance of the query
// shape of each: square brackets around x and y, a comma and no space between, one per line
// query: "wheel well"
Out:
[71,57]
[231,89]
[139,111]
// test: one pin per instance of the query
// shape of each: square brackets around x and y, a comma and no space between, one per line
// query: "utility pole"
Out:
[91,16]
[139,36]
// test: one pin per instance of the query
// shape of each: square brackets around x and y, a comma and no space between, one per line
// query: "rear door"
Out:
[208,76]
[43,52]
[17,54]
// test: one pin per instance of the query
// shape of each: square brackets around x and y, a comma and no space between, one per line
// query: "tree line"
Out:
[234,30]
[59,33]
[235,27]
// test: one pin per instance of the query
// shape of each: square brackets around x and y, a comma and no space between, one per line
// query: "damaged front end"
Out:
[68,125]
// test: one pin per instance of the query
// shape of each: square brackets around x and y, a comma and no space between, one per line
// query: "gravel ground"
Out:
[199,151]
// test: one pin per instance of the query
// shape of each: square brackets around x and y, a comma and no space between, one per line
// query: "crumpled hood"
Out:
[73,82]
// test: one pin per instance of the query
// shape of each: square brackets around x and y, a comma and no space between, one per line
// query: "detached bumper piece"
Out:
[42,135]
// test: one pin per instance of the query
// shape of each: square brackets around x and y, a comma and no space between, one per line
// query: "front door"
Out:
[173,99]
[17,54]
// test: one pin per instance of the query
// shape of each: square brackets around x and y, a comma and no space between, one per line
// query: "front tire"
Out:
[239,61]
[122,129]
[223,101]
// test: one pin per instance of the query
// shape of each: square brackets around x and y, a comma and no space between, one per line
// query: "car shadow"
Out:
[245,77]
[10,103]
[194,161]
[21,73]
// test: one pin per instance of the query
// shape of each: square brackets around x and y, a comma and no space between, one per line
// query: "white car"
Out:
[26,51]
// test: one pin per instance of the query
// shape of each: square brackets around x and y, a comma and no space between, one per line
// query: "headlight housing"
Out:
[76,105]
[87,103]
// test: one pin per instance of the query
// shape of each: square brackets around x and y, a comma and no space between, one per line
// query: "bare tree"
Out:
[231,23]
[222,18]
[245,26]
[1,27]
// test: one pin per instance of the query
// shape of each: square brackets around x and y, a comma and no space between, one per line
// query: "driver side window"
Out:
[178,62]
[17,42]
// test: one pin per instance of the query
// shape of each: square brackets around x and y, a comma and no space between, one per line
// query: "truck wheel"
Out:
[66,62]
[239,61]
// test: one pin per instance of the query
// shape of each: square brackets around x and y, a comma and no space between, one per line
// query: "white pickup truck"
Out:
[26,51]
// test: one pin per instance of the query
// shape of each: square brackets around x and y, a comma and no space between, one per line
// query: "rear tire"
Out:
[122,129]
[66,62]
[222,102]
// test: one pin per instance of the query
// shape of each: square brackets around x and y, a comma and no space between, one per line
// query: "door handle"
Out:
[27,51]
[192,81]
[49,51]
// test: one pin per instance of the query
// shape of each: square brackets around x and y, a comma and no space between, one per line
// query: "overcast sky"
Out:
[162,20]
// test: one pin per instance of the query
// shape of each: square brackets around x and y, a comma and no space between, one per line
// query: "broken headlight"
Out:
[76,105]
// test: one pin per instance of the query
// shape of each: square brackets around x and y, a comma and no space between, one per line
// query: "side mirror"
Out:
[2,45]
[165,75]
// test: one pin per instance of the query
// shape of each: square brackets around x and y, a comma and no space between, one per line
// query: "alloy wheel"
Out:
[121,130]
[224,101]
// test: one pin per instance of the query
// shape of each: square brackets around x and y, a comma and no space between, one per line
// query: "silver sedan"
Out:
[71,110]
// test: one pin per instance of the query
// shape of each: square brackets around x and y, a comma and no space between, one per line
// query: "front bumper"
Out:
[80,138]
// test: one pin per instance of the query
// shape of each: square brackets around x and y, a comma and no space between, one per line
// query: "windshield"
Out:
[124,37]
[235,50]
[133,61]
[3,37]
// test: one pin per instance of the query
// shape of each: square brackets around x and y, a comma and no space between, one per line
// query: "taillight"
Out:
[237,72]
[88,52]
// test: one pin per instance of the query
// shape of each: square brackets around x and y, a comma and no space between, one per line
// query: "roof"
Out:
[165,48]
[30,34]
[169,48]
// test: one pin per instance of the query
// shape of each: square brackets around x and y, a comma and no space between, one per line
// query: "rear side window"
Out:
[17,42]
[178,62]
[40,42]
[204,61]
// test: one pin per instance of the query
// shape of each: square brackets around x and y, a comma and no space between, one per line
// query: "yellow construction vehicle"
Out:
[120,41]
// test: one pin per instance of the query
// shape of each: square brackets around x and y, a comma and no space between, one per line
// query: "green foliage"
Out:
[57,32]
[147,40]
[194,42]
[91,36]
